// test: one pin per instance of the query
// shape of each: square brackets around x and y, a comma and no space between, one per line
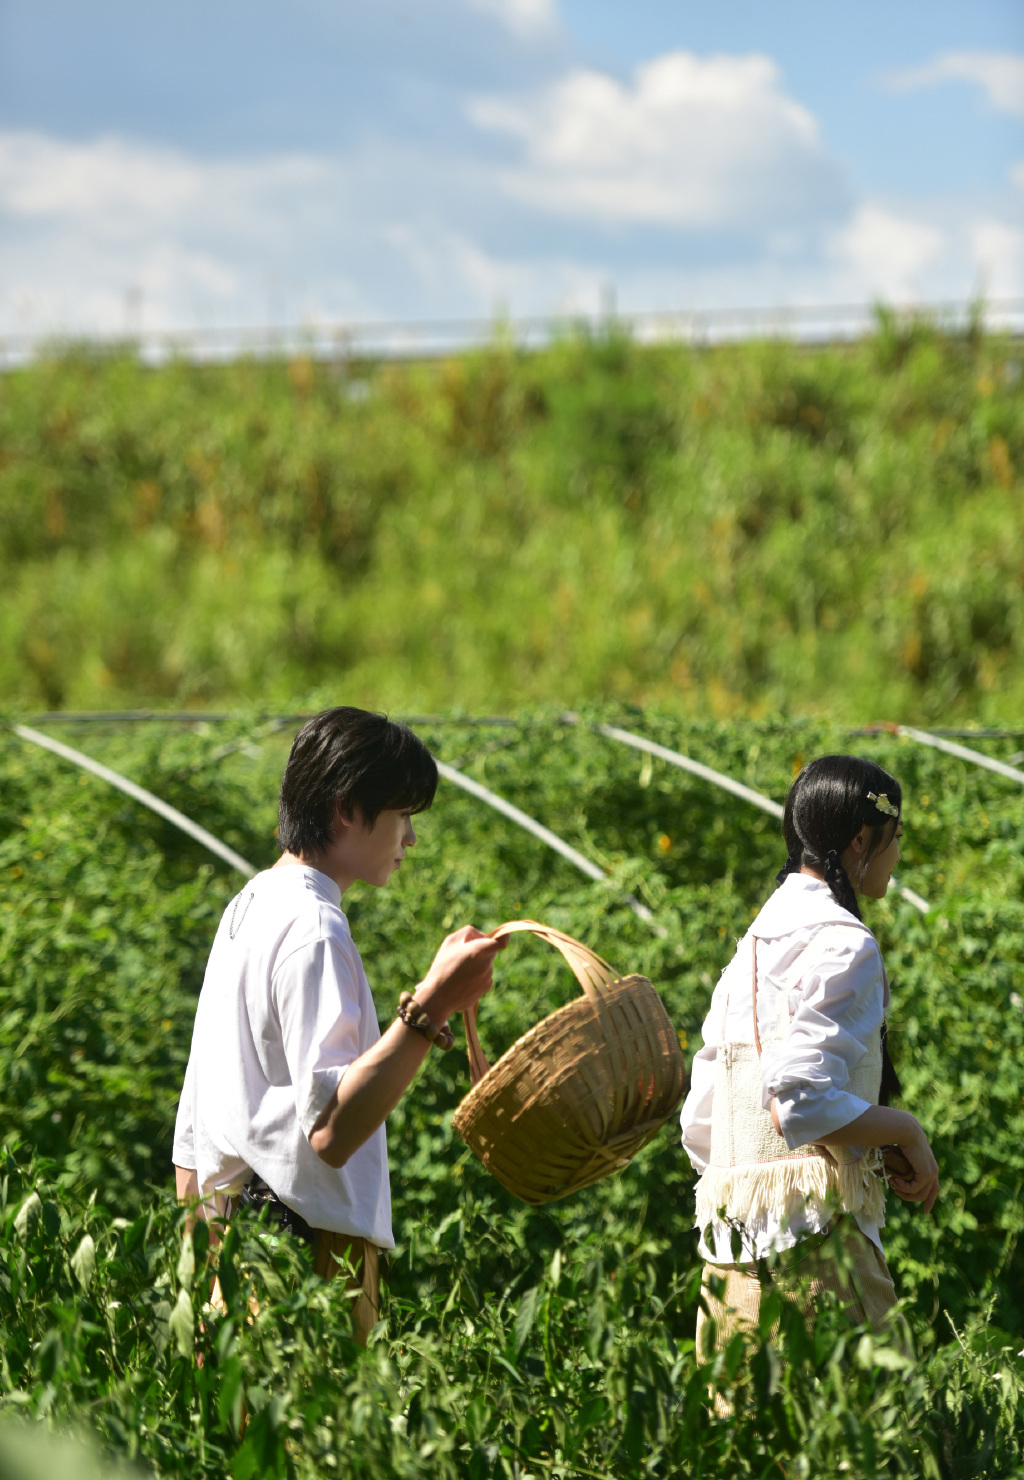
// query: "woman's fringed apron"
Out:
[752,1174]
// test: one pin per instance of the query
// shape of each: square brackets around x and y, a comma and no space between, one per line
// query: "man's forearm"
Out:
[369,1091]
[186,1181]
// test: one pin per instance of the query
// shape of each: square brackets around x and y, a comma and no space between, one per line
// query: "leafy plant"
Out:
[554,1341]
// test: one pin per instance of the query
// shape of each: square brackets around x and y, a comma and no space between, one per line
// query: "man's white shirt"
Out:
[285,1008]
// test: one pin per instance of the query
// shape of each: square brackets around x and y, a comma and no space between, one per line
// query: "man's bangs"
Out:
[414,787]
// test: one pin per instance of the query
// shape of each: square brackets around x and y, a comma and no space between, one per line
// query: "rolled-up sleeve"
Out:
[839,1009]
[316,996]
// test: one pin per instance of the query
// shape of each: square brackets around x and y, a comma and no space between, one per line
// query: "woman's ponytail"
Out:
[838,880]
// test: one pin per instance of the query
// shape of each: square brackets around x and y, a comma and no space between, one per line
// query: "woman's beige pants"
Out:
[863,1286]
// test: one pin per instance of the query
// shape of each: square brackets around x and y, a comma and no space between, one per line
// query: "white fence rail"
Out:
[937,741]
[545,835]
[344,343]
[138,794]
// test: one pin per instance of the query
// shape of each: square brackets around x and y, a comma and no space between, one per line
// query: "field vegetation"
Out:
[555,1342]
[736,531]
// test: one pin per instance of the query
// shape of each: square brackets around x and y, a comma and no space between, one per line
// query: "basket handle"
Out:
[589,969]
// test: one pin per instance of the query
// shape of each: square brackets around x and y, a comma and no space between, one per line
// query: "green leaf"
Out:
[230,1399]
[477,1418]
[524,1318]
[29,1215]
[186,1262]
[596,1321]
[83,1261]
[182,1325]
[51,1219]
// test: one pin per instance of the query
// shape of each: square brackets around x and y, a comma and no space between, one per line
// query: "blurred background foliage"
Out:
[749,529]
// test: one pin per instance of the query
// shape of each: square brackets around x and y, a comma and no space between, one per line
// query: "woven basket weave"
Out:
[576,1097]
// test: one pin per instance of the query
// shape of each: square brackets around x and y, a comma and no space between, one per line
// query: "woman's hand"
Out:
[920,1183]
[883,1126]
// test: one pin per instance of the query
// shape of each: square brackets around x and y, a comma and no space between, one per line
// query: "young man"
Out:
[289,1080]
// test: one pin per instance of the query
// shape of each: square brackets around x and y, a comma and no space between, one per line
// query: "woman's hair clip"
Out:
[883,803]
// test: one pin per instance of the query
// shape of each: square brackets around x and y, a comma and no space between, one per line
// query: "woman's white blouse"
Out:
[836,996]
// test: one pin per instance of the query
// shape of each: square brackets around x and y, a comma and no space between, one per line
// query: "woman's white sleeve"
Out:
[695,1117]
[838,1013]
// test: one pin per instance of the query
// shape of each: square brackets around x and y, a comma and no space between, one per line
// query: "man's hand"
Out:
[460,973]
[372,1086]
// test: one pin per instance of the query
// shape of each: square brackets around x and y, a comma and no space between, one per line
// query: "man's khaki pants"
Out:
[358,1263]
[337,1254]
[814,1266]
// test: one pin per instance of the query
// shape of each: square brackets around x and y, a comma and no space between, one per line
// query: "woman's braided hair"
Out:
[827,806]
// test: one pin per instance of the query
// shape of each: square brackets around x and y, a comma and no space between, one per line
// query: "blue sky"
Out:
[237,161]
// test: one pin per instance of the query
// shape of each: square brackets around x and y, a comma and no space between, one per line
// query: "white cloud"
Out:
[887,254]
[85,228]
[998,250]
[1000,75]
[521,17]
[692,142]
[117,187]
[114,235]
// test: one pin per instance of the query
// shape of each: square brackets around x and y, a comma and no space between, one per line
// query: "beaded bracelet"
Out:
[415,1017]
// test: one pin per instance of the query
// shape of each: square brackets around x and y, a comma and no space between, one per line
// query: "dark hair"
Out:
[352,758]
[826,808]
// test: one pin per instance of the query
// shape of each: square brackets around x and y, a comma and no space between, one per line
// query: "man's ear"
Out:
[343,818]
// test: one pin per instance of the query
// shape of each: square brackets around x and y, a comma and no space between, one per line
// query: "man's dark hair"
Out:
[827,806]
[353,758]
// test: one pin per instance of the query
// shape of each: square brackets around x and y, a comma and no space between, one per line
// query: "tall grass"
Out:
[741,530]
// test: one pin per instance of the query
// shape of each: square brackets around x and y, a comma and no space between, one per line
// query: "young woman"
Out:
[788,1118]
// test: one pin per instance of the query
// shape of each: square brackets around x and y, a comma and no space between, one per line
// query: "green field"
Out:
[745,531]
[516,1342]
[738,552]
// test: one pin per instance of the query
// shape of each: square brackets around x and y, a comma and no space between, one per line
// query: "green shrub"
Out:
[749,529]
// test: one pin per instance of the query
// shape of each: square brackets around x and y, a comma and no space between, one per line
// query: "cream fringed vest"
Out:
[751,1172]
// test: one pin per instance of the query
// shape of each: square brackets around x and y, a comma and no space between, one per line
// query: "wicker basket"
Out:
[578,1095]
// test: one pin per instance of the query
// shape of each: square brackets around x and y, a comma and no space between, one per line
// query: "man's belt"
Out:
[256,1194]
